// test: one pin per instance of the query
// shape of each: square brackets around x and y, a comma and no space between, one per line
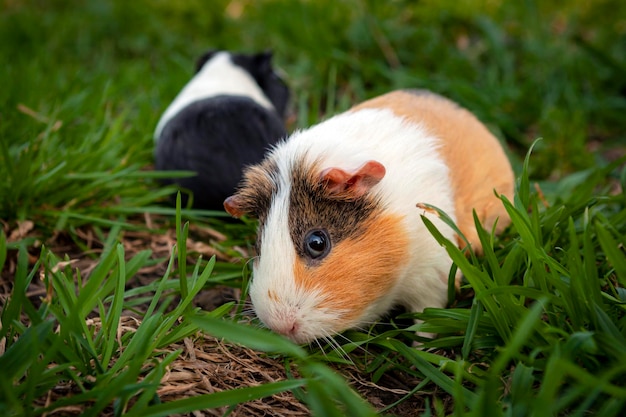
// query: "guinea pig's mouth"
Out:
[300,335]
[301,327]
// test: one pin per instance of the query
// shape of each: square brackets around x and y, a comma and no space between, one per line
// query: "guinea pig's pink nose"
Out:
[288,327]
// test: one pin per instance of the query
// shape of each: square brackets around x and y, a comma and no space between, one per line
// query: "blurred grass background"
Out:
[107,69]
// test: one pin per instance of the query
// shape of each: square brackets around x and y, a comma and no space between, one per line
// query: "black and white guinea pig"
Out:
[340,239]
[225,118]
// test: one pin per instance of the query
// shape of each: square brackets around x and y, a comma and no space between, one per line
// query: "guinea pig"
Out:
[225,118]
[340,239]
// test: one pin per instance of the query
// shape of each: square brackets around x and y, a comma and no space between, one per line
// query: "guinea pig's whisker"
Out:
[247,312]
[246,265]
[319,345]
[248,307]
[370,323]
[330,342]
[342,353]
[363,329]
[336,346]
[245,308]
[350,341]
[343,337]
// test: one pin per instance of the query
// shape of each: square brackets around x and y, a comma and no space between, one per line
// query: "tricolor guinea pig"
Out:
[340,239]
[225,118]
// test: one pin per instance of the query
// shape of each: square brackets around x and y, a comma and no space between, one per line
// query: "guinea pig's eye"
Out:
[317,244]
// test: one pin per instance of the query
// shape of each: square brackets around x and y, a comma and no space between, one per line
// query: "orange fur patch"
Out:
[477,162]
[375,257]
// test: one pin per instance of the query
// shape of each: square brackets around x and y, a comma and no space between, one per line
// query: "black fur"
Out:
[260,67]
[220,135]
[216,137]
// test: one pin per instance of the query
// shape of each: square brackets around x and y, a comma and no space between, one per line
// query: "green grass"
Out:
[84,85]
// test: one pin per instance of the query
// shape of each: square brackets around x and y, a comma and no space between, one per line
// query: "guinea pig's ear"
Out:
[263,61]
[254,195]
[234,205]
[352,184]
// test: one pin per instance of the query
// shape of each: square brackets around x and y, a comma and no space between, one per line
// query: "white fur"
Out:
[218,76]
[415,173]
[272,272]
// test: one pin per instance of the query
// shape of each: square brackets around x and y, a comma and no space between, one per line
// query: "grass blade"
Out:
[218,399]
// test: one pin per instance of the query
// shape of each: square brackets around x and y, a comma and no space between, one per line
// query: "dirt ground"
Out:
[206,364]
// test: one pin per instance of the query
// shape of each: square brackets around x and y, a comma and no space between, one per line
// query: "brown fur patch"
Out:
[477,162]
[272,295]
[359,269]
[256,190]
[312,206]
